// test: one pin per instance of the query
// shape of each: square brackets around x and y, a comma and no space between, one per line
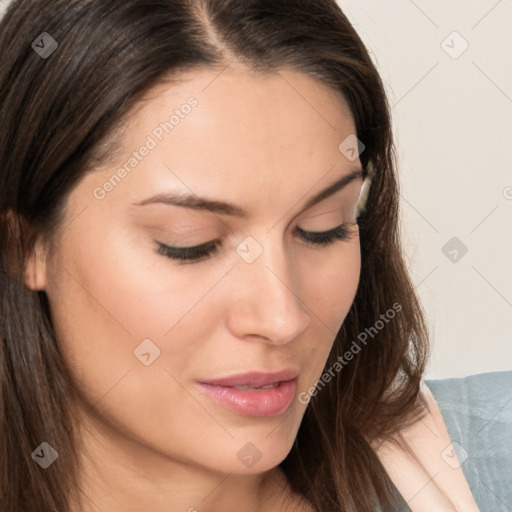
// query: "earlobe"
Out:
[36,268]
[31,270]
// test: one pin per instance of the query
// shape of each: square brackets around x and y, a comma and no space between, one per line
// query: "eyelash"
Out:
[204,251]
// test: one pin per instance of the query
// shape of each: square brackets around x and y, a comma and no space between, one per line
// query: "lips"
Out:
[256,394]
[254,379]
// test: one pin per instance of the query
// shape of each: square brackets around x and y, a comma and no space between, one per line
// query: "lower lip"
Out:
[257,402]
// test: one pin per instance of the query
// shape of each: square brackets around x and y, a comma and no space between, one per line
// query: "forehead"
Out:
[243,107]
[233,133]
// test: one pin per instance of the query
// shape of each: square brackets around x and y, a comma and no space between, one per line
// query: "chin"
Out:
[254,451]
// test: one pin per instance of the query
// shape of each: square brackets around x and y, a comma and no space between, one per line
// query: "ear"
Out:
[35,274]
[15,231]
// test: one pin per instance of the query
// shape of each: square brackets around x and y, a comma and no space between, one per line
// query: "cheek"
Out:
[104,306]
[108,297]
[329,291]
[332,285]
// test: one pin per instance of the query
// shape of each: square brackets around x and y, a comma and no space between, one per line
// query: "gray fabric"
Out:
[477,411]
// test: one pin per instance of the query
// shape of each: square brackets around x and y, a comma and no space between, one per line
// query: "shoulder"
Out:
[477,411]
[424,466]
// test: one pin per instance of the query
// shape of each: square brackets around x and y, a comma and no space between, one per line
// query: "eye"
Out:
[339,233]
[204,251]
[189,254]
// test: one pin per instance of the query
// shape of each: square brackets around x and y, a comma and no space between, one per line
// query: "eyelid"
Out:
[320,214]
[322,238]
[180,253]
[204,251]
[358,206]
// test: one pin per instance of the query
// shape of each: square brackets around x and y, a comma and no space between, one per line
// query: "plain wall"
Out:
[453,129]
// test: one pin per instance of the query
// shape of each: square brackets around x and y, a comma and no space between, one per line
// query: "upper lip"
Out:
[254,378]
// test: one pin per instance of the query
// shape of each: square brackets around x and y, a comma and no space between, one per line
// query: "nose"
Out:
[266,302]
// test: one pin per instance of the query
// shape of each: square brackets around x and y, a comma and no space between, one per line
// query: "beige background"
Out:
[452,112]
[453,124]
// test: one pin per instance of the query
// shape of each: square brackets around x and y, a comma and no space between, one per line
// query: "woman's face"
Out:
[140,330]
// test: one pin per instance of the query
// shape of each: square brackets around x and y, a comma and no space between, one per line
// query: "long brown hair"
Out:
[57,114]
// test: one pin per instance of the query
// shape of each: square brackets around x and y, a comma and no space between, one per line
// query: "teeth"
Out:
[269,386]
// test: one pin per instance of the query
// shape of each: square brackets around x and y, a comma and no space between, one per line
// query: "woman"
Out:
[204,301]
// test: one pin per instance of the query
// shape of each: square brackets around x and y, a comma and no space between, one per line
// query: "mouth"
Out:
[254,394]
[252,388]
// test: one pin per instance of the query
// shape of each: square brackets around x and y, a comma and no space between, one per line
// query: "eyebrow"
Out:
[177,198]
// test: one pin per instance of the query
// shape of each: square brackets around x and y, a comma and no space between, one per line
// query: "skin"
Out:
[424,469]
[151,439]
